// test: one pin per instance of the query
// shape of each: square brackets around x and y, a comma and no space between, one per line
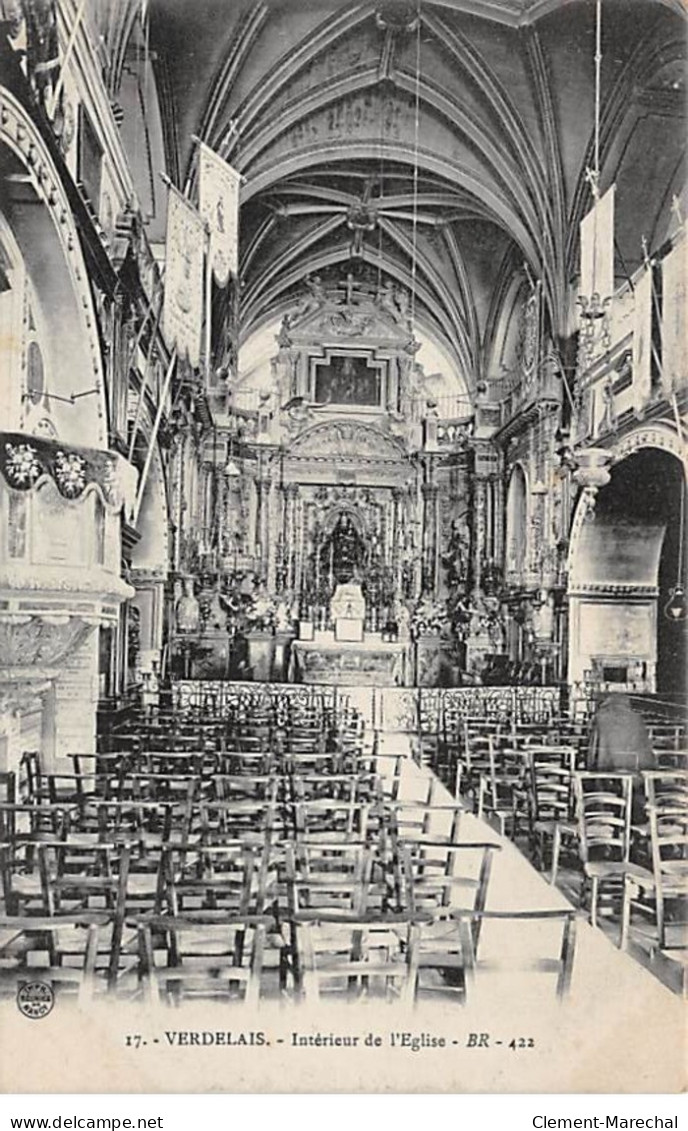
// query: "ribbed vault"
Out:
[439,145]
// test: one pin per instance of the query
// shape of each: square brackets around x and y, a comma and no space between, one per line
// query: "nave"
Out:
[283,853]
[343,622]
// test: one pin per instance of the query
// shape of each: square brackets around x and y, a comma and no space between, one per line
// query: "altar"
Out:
[368,662]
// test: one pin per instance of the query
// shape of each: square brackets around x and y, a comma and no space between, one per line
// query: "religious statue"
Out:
[283,617]
[261,614]
[455,560]
[215,612]
[403,621]
[314,300]
[429,616]
[150,690]
[188,611]
[542,618]
[343,553]
[283,338]
[609,421]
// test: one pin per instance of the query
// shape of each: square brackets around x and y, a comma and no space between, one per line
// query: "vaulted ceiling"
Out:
[440,144]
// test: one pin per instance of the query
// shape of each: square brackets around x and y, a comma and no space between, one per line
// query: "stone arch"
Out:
[45,237]
[623,556]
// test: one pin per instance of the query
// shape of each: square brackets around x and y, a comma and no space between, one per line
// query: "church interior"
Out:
[342,501]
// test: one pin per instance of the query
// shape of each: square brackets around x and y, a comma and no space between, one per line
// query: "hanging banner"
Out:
[182,317]
[219,187]
[642,339]
[597,248]
[674,328]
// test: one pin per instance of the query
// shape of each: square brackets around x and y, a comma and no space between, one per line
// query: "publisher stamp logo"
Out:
[35,999]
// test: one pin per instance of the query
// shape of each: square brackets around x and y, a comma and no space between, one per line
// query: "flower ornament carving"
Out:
[69,473]
[23,467]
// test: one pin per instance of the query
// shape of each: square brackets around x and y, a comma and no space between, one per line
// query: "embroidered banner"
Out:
[183,304]
[219,187]
[674,329]
[642,339]
[597,248]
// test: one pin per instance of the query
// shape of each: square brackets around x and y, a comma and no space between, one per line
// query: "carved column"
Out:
[297,533]
[262,489]
[395,555]
[272,526]
[498,495]
[280,554]
[479,530]
[263,524]
[430,493]
[291,493]
[393,387]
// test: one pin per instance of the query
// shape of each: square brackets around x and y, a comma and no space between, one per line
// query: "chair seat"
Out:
[549,824]
[606,869]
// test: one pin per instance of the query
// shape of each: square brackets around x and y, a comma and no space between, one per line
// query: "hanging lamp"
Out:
[676,608]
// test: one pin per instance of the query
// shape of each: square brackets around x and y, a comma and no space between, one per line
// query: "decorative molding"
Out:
[614,591]
[19,694]
[28,641]
[659,436]
[94,583]
[341,439]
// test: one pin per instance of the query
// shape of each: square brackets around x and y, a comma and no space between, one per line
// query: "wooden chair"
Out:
[661,892]
[363,788]
[475,759]
[452,948]
[501,790]
[201,956]
[59,950]
[666,788]
[264,788]
[23,882]
[331,877]
[219,821]
[438,874]
[232,876]
[351,958]
[332,817]
[604,808]
[85,878]
[416,821]
[551,803]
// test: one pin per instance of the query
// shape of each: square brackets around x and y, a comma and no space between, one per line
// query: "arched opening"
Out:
[626,561]
[516,523]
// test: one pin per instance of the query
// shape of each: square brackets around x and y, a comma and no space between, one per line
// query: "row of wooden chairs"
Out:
[255,862]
